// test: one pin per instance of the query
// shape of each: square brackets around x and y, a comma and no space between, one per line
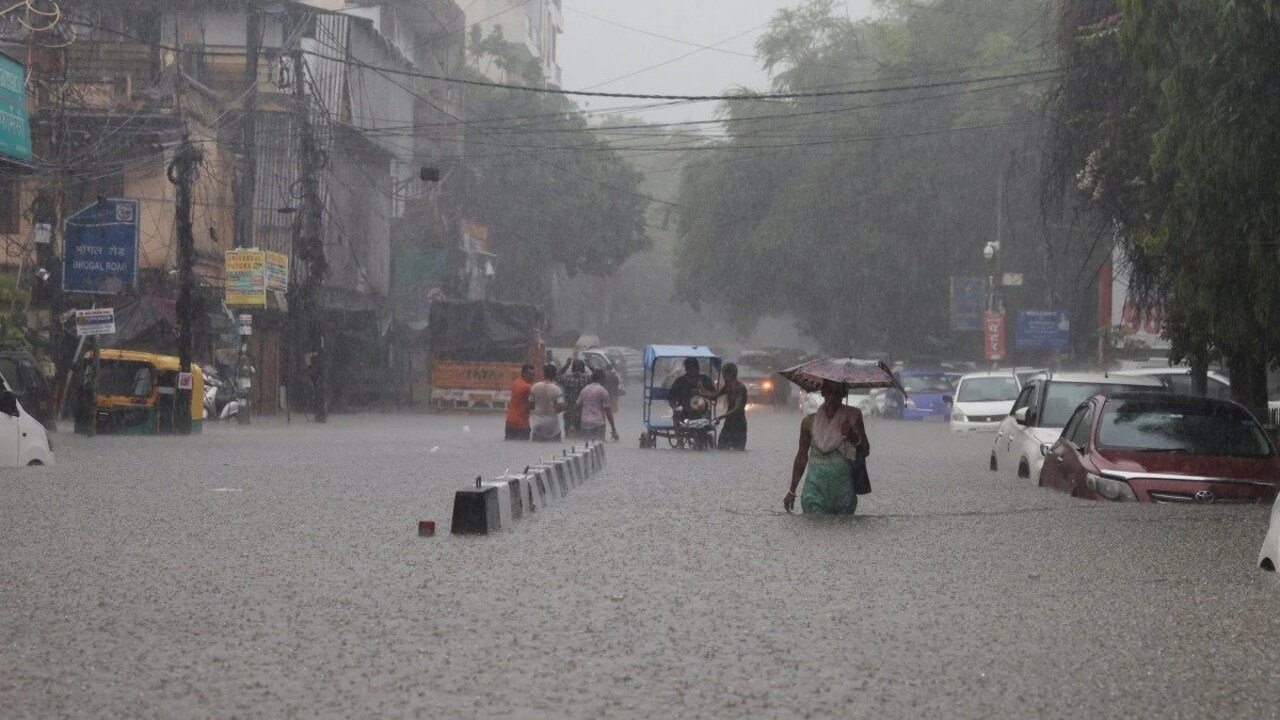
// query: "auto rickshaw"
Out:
[662,364]
[137,394]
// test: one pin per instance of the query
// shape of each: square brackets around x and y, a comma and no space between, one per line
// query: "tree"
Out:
[553,193]
[853,212]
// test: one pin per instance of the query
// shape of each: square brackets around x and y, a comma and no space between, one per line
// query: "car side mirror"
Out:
[9,403]
[1020,416]
[948,400]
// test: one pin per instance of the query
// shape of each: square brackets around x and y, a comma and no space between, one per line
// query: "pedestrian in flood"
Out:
[518,407]
[733,436]
[573,380]
[829,439]
[547,399]
[595,408]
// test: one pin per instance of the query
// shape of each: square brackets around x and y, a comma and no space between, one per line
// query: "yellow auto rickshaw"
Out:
[137,394]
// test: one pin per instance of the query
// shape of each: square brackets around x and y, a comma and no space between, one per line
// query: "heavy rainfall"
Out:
[555,358]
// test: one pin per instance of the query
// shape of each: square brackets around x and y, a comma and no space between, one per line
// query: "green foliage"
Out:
[852,212]
[13,320]
[553,193]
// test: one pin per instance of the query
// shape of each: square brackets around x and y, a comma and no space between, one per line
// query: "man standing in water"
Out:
[518,407]
[595,407]
[573,379]
[548,402]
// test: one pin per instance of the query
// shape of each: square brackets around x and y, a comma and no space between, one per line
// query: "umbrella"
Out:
[850,371]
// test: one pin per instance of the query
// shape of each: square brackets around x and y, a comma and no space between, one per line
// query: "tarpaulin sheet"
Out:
[482,330]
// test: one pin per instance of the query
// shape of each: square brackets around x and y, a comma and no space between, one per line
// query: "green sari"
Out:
[828,484]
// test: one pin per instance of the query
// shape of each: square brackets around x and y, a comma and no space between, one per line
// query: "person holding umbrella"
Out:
[833,441]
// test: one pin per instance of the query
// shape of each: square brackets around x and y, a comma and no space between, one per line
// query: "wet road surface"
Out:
[277,572]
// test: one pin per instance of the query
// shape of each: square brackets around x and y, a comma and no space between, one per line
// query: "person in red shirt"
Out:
[519,406]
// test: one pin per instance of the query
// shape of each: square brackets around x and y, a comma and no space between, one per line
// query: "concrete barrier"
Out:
[496,503]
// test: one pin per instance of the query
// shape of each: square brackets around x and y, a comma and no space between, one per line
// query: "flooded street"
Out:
[278,573]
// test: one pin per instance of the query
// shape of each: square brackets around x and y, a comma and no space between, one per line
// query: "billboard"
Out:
[993,336]
[1043,330]
[968,300]
[1140,323]
[100,247]
[15,127]
[251,273]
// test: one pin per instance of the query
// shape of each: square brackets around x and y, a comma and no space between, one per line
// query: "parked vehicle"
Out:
[1178,379]
[628,361]
[21,371]
[1269,556]
[136,395]
[1042,409]
[477,349]
[23,440]
[928,396]
[1164,449]
[983,400]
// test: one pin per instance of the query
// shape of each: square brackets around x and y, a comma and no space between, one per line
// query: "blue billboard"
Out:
[968,302]
[100,248]
[1043,330]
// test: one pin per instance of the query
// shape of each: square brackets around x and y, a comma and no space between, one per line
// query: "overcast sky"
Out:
[592,52]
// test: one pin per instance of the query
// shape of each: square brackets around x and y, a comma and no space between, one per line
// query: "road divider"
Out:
[493,504]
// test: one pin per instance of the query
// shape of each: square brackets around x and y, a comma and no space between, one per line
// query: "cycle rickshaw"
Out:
[696,429]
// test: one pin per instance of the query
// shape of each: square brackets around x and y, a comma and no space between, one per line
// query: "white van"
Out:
[23,440]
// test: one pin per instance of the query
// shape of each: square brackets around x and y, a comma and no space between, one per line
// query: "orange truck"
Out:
[477,348]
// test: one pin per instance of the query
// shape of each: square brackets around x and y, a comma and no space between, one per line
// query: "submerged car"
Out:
[928,396]
[1164,449]
[983,399]
[763,385]
[1043,407]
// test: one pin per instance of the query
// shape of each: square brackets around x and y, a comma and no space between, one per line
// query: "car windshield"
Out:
[1195,428]
[987,389]
[925,384]
[745,370]
[120,377]
[1063,398]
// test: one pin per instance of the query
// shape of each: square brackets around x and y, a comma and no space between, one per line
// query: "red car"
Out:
[1164,449]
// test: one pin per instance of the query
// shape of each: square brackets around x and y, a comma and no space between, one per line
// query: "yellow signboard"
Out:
[246,282]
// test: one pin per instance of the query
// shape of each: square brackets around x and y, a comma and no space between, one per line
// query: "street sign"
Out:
[185,381]
[97,321]
[968,298]
[100,248]
[993,336]
[245,326]
[1044,330]
[15,127]
[1011,280]
[277,268]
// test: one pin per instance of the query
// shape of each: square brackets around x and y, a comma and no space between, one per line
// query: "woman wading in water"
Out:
[829,439]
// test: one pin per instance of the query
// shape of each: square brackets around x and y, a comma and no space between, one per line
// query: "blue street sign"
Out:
[1044,330]
[101,248]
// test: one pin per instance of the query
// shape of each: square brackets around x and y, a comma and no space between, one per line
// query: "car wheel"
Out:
[1267,565]
[995,467]
[1024,470]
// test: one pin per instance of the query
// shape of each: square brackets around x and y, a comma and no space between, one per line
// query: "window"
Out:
[1024,399]
[1069,431]
[1184,426]
[10,205]
[1084,428]
[987,389]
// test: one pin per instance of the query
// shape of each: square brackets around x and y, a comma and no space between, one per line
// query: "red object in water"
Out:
[426,528]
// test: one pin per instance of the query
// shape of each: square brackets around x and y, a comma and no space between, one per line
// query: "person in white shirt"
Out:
[547,399]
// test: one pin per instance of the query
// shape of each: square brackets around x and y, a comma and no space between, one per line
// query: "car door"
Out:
[9,434]
[1010,432]
[1063,468]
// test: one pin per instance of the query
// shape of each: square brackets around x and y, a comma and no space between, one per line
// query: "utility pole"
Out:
[309,246]
[182,173]
[247,187]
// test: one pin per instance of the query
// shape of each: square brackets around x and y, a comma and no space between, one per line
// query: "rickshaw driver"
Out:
[692,383]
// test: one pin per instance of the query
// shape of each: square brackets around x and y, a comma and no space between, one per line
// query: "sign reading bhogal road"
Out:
[101,248]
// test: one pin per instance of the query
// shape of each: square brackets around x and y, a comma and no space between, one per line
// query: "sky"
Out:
[592,52]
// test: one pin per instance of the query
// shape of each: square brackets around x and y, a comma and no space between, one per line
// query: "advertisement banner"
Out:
[15,127]
[475,236]
[277,267]
[1142,324]
[1043,330]
[246,283]
[968,300]
[100,248]
[993,336]
[98,321]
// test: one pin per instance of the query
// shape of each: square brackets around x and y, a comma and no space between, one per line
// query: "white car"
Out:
[1179,380]
[860,398]
[1269,557]
[983,400]
[1042,409]
[23,440]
